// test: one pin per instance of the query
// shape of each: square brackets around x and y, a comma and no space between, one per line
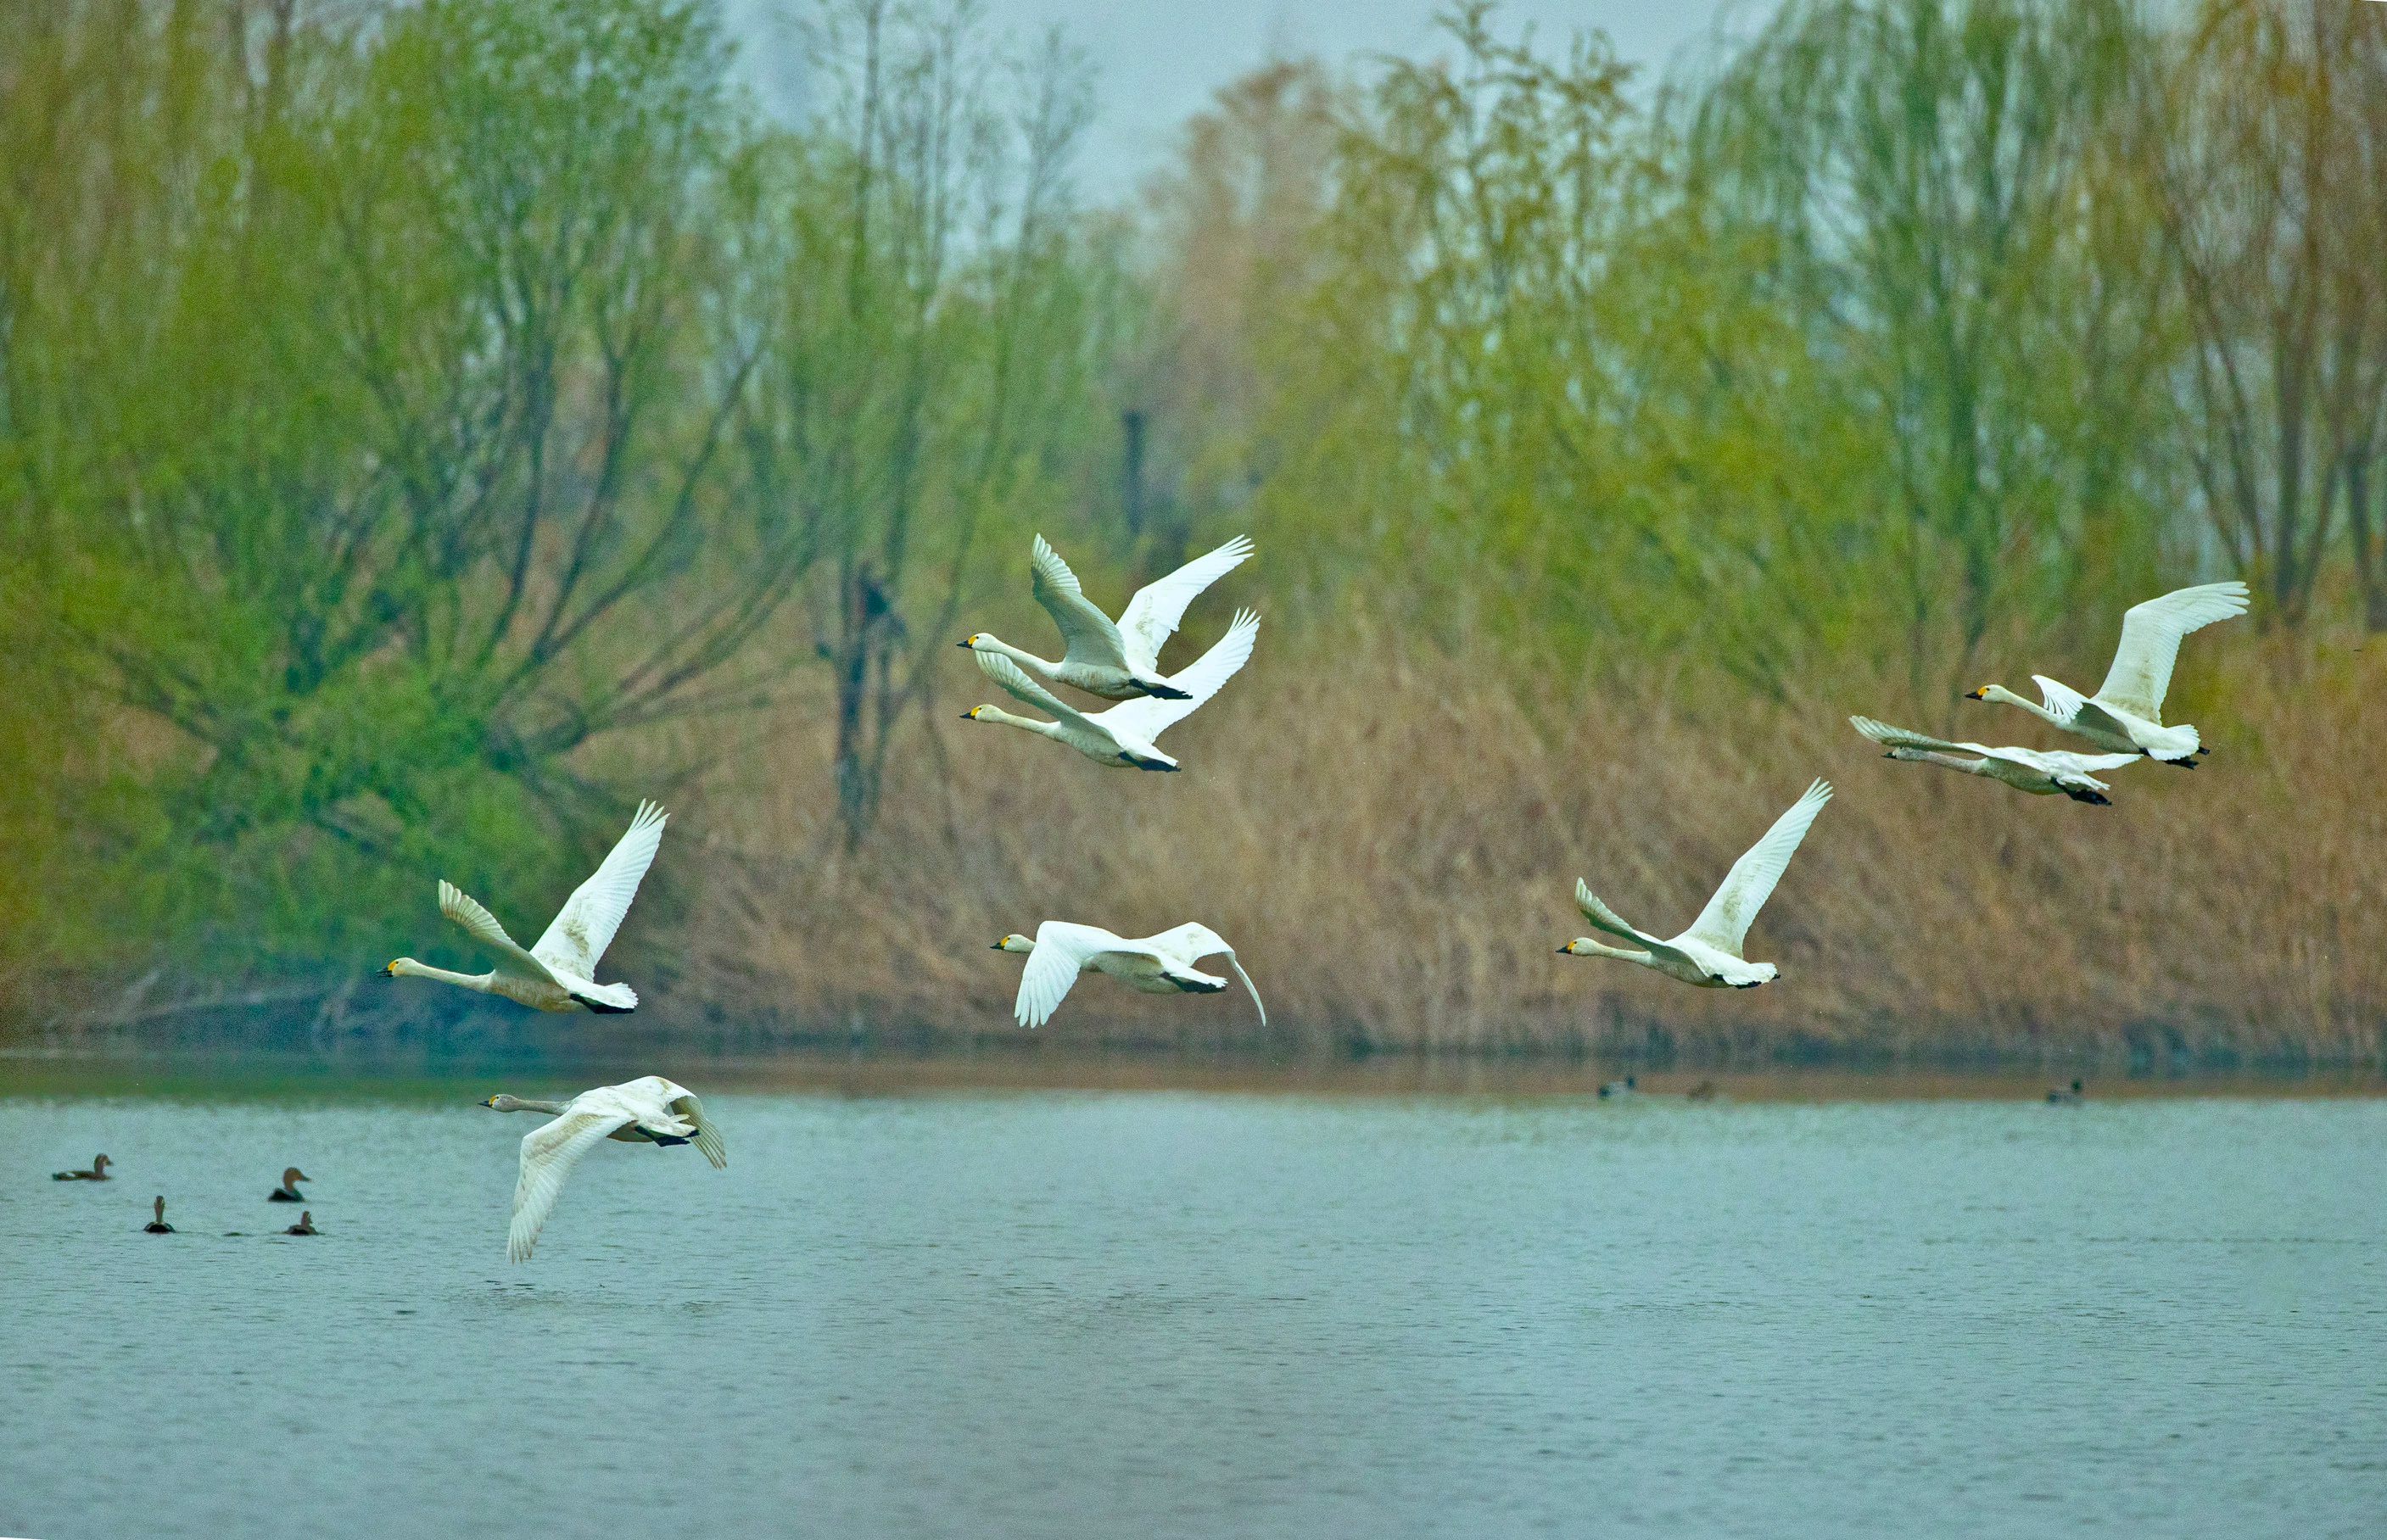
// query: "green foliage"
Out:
[404,412]
[420,422]
[1828,362]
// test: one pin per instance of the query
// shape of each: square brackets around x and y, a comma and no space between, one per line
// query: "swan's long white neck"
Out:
[1950,761]
[1586,947]
[2006,697]
[996,713]
[532,1104]
[997,644]
[409,967]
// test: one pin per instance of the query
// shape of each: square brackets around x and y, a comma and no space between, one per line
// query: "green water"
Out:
[921,1309]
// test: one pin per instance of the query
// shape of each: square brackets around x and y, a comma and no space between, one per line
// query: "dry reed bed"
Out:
[1393,849]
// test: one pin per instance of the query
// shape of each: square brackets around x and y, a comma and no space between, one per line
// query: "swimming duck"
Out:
[288,1191]
[98,1172]
[159,1225]
[305,1225]
[2071,1098]
[1625,1087]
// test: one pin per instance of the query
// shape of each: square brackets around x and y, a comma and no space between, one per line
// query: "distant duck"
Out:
[558,971]
[98,1171]
[2069,1098]
[158,1226]
[650,1110]
[2126,714]
[288,1191]
[1703,1091]
[1625,1087]
[305,1225]
[1708,954]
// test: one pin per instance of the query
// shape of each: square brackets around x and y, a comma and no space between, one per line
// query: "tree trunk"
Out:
[868,625]
[2365,539]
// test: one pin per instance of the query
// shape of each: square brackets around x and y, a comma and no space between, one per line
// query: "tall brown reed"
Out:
[1391,846]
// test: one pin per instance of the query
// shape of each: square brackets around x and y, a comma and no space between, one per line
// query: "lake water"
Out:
[1161,1313]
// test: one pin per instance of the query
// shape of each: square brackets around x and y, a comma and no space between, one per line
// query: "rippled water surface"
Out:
[1159,1313]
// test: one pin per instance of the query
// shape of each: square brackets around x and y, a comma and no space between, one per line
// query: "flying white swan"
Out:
[558,974]
[2042,772]
[2126,714]
[650,1110]
[1115,662]
[1708,953]
[1156,965]
[1122,735]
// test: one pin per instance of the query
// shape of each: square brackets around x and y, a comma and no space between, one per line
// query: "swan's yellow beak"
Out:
[489,1100]
[971,714]
[390,970]
[1980,694]
[972,642]
[996,947]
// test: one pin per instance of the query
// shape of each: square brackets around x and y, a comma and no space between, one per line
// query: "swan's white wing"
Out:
[1724,922]
[1604,918]
[708,1133]
[1091,636]
[1061,953]
[2151,636]
[649,1099]
[1015,682]
[1148,716]
[1192,942]
[2060,699]
[466,911]
[1151,617]
[549,1154]
[2081,713]
[1249,987]
[1902,738]
[584,928]
[1187,943]
[2060,762]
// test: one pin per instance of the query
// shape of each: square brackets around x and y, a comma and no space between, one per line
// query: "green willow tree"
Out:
[1952,223]
[932,366]
[415,421]
[390,475]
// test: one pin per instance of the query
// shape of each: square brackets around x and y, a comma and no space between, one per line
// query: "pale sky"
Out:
[1157,61]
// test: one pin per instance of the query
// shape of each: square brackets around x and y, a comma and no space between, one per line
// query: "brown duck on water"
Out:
[159,1225]
[98,1172]
[305,1225]
[288,1191]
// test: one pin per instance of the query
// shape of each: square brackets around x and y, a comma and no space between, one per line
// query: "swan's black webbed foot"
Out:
[2186,762]
[2097,798]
